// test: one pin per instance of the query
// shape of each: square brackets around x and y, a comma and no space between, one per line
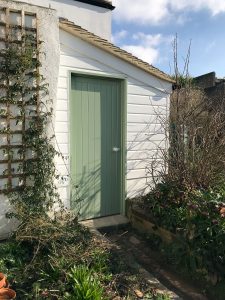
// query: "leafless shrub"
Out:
[196,134]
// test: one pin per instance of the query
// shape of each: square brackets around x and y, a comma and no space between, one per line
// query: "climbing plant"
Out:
[28,151]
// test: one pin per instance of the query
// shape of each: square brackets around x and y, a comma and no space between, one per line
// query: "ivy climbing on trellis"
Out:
[27,153]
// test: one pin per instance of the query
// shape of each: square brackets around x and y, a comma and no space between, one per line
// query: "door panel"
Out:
[95,131]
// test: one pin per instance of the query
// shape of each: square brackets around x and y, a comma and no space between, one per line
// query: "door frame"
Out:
[123,80]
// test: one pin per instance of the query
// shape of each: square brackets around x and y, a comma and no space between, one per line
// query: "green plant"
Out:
[162,297]
[27,93]
[85,286]
[99,261]
[196,217]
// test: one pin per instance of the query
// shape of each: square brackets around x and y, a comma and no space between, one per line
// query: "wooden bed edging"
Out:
[141,221]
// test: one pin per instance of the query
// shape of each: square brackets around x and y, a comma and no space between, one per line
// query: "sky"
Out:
[147,29]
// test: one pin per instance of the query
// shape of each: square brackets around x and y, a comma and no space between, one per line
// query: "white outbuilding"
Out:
[108,107]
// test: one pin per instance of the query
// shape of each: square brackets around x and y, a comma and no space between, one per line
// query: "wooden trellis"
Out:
[15,115]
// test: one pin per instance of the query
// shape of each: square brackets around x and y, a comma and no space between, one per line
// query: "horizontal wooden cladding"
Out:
[62,94]
[146,109]
[145,90]
[146,119]
[141,163]
[145,137]
[136,187]
[137,164]
[63,169]
[61,127]
[63,148]
[78,61]
[63,161]
[147,100]
[62,105]
[136,174]
[62,116]
[145,155]
[142,128]
[62,138]
[149,171]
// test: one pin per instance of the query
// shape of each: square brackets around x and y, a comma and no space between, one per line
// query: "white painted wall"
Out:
[146,96]
[93,18]
[50,68]
[147,104]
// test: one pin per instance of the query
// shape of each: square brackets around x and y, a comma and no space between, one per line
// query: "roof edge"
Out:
[100,3]
[105,45]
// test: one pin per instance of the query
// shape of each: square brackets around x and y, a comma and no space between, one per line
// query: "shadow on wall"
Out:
[146,156]
[86,193]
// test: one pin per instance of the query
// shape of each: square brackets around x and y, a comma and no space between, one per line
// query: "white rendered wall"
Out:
[147,105]
[50,68]
[93,18]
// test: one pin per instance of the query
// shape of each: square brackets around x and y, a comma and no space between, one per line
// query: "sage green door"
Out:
[95,119]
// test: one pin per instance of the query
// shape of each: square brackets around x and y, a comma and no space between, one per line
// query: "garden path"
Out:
[134,249]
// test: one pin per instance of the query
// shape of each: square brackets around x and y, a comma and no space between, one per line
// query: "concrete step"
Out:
[106,222]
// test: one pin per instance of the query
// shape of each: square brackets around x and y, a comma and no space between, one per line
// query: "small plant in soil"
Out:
[84,284]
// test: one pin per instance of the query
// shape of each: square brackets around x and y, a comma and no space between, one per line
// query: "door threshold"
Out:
[104,222]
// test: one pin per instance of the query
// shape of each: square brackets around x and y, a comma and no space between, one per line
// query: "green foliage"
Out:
[100,261]
[27,91]
[159,297]
[182,80]
[38,272]
[84,284]
[12,257]
[196,217]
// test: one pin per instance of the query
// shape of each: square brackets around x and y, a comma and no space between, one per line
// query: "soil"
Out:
[135,249]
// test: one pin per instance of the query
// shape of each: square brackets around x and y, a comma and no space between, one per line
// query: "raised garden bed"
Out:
[144,222]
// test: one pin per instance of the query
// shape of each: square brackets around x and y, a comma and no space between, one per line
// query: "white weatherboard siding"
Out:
[93,18]
[147,105]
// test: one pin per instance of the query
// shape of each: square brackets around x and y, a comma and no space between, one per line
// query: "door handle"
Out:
[116,149]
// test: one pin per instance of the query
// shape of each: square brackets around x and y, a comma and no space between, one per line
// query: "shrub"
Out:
[196,216]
